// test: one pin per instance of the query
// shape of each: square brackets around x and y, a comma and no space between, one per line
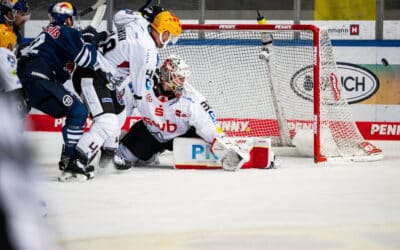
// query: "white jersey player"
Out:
[130,52]
[170,107]
[9,81]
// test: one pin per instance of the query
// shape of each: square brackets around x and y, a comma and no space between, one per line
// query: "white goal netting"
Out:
[278,97]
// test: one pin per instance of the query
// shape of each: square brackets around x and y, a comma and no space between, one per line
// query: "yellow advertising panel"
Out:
[344,9]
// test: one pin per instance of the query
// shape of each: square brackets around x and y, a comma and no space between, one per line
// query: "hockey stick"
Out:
[148,2]
[92,8]
[98,16]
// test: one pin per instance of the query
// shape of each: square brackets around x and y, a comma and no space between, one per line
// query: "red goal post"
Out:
[295,91]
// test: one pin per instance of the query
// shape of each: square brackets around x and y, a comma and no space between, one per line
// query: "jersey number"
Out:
[108,45]
[32,49]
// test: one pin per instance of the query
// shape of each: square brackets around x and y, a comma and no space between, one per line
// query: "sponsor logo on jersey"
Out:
[179,113]
[358,83]
[106,100]
[205,106]
[213,117]
[166,126]
[53,31]
[67,100]
[159,111]
[210,112]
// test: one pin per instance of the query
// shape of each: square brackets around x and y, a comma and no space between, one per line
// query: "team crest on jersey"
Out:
[67,100]
[120,97]
[11,60]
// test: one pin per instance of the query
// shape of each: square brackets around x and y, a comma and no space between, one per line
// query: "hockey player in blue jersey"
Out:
[43,68]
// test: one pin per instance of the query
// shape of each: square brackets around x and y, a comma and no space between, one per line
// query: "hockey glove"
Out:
[150,13]
[90,35]
[231,155]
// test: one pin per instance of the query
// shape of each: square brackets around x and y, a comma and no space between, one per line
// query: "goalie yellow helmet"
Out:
[8,38]
[166,21]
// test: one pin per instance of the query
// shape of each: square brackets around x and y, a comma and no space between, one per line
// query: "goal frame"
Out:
[318,157]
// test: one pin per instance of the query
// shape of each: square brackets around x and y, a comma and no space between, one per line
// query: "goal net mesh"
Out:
[253,97]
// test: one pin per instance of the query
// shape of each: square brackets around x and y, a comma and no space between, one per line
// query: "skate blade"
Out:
[75,177]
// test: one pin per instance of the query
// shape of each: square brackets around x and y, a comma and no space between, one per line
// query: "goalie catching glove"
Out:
[231,155]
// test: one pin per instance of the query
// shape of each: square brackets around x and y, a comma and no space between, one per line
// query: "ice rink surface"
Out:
[300,205]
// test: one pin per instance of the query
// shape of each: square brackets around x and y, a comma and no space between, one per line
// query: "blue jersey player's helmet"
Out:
[61,11]
[21,5]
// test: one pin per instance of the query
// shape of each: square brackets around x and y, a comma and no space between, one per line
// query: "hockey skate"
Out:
[106,157]
[76,171]
[64,159]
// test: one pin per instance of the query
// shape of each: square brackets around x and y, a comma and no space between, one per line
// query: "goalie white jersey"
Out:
[169,118]
[9,80]
[131,50]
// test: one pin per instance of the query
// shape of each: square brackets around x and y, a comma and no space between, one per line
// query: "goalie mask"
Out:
[174,72]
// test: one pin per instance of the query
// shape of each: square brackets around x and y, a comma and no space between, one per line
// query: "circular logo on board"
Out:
[67,100]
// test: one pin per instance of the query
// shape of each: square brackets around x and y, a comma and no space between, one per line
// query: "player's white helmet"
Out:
[175,72]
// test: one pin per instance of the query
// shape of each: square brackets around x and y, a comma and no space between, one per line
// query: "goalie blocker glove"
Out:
[231,155]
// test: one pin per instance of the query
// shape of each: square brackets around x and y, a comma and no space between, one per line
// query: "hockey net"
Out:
[293,97]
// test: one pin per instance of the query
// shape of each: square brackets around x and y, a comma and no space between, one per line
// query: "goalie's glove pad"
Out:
[151,12]
[231,155]
[90,35]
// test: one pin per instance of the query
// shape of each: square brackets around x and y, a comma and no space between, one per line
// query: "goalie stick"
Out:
[148,2]
[100,6]
[92,8]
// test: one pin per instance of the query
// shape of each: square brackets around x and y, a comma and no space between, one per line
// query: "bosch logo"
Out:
[358,83]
